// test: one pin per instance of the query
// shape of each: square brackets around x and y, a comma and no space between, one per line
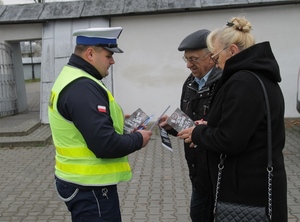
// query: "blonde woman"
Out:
[237,122]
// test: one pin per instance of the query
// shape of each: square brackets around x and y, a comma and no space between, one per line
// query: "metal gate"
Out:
[8,94]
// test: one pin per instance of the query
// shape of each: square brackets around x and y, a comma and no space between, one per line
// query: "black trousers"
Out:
[93,205]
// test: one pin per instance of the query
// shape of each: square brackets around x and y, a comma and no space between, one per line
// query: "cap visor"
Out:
[116,50]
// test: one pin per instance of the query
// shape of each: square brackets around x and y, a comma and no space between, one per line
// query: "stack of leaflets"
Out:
[165,139]
[136,120]
[180,121]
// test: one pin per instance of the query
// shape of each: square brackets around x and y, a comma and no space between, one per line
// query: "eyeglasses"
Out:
[213,57]
[193,59]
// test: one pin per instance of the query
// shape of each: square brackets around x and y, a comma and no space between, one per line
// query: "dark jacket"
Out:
[195,103]
[237,127]
[78,103]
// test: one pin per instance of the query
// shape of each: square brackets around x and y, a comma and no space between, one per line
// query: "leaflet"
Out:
[180,121]
[136,120]
[157,121]
[165,139]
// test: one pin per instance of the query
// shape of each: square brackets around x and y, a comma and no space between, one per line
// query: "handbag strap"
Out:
[269,159]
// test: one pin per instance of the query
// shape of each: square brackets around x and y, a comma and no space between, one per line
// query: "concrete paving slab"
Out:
[159,190]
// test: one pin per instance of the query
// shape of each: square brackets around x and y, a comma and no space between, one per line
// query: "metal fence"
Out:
[8,94]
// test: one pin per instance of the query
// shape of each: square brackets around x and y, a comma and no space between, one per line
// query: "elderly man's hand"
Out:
[163,122]
[186,135]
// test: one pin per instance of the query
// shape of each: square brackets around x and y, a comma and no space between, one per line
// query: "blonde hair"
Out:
[237,32]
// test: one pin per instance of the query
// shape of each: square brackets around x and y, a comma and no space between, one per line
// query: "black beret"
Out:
[194,41]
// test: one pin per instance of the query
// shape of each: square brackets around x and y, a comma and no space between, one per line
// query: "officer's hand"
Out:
[146,136]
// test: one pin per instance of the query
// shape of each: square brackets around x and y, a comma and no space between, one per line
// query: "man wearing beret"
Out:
[87,130]
[196,94]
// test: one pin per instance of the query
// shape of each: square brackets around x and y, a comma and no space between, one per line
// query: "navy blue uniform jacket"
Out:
[78,103]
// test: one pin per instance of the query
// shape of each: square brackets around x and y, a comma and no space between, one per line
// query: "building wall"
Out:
[151,71]
[11,35]
[58,44]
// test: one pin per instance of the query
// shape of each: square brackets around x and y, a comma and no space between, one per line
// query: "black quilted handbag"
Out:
[233,212]
[236,212]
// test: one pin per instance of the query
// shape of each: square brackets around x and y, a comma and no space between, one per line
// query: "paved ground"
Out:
[158,192]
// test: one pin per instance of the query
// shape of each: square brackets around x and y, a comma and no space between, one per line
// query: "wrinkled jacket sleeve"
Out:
[78,103]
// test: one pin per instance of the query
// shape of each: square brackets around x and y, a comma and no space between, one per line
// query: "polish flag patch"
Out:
[101,109]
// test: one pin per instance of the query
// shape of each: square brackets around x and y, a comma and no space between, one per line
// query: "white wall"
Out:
[150,73]
[11,35]
[58,45]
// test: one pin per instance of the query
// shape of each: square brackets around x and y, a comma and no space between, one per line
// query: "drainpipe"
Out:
[112,67]
[32,65]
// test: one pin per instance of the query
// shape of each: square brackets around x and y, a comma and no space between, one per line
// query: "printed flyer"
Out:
[165,139]
[136,120]
[180,121]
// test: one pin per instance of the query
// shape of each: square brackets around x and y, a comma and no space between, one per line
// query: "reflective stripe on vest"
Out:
[101,168]
[74,161]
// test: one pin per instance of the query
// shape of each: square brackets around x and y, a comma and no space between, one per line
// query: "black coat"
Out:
[237,127]
[195,103]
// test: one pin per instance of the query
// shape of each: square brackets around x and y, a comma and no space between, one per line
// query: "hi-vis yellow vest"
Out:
[75,163]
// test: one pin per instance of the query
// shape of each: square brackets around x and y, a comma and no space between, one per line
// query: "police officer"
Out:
[87,129]
[196,94]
